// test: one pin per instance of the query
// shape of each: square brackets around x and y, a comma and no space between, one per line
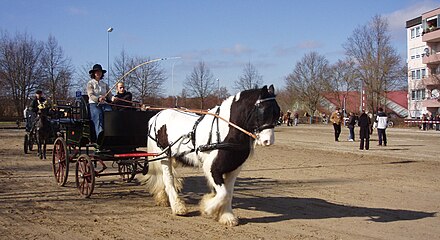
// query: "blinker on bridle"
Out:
[264,126]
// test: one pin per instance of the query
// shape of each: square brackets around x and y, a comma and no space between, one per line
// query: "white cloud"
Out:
[237,50]
[293,50]
[397,19]
[309,44]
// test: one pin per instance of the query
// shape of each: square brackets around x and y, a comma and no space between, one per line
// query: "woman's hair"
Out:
[92,75]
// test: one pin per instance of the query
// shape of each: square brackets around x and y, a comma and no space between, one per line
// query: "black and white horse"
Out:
[210,143]
[43,130]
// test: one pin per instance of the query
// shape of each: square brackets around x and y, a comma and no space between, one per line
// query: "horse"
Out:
[210,142]
[43,130]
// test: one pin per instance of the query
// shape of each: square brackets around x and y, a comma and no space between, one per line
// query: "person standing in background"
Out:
[336,119]
[351,124]
[364,123]
[382,123]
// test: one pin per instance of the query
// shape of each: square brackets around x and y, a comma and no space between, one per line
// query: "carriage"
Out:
[121,147]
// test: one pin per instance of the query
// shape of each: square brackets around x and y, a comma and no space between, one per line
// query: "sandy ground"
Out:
[306,186]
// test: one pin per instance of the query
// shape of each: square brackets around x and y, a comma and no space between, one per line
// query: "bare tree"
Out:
[200,82]
[82,76]
[379,66]
[249,79]
[20,69]
[146,81]
[57,70]
[343,79]
[121,66]
[308,78]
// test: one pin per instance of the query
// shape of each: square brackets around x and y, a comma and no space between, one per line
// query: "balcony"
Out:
[431,103]
[432,58]
[431,80]
[432,36]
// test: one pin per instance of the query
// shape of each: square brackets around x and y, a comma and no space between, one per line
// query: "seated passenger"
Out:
[97,90]
[122,99]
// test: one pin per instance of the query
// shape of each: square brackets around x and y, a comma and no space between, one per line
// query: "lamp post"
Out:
[109,30]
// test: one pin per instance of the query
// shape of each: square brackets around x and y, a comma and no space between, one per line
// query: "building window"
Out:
[418,31]
[418,94]
[423,72]
[413,33]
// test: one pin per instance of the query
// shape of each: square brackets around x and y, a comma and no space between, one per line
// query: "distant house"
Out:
[396,102]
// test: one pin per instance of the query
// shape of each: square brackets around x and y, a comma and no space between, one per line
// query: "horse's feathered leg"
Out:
[177,205]
[226,216]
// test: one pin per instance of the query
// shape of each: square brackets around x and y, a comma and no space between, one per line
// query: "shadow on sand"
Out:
[288,208]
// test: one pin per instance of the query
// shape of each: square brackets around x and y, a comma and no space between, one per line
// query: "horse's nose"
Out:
[266,142]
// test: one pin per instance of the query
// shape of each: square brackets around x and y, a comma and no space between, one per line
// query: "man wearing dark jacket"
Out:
[364,123]
[38,102]
[122,99]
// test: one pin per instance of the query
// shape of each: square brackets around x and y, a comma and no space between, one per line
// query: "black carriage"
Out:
[125,133]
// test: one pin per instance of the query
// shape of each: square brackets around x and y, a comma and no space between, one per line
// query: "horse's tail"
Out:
[154,180]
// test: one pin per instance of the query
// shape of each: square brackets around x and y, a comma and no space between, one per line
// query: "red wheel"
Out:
[60,161]
[127,171]
[85,175]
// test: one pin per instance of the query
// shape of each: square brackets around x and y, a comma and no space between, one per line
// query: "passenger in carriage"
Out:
[97,90]
[122,100]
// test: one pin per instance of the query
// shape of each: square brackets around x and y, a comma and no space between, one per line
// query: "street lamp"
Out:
[109,30]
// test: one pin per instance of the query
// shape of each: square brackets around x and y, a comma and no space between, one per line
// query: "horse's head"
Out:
[265,114]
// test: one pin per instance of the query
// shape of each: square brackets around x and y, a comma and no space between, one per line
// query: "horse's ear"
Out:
[271,89]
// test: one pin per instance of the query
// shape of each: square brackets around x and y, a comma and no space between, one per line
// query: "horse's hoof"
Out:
[228,219]
[180,208]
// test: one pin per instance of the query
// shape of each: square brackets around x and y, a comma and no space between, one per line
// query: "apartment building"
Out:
[423,37]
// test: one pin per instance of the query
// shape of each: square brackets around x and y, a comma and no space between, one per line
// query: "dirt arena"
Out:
[306,186]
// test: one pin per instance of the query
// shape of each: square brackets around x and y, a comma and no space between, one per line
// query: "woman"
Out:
[97,90]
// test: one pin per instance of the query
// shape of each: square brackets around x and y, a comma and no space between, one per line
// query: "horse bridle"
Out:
[259,114]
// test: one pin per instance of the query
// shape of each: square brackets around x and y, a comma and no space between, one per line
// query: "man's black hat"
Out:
[39,92]
[97,67]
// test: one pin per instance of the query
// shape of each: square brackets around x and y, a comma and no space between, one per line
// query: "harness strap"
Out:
[193,132]
[217,112]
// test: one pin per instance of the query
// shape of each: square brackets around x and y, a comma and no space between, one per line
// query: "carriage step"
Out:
[136,154]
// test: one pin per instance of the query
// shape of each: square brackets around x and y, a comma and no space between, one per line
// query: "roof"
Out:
[413,22]
[352,99]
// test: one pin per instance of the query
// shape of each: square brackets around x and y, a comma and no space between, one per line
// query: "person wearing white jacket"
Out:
[381,124]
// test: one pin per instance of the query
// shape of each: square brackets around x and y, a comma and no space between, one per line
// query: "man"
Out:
[122,100]
[364,123]
[381,124]
[39,102]
[336,119]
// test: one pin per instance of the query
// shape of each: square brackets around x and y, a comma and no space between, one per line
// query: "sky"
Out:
[226,35]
